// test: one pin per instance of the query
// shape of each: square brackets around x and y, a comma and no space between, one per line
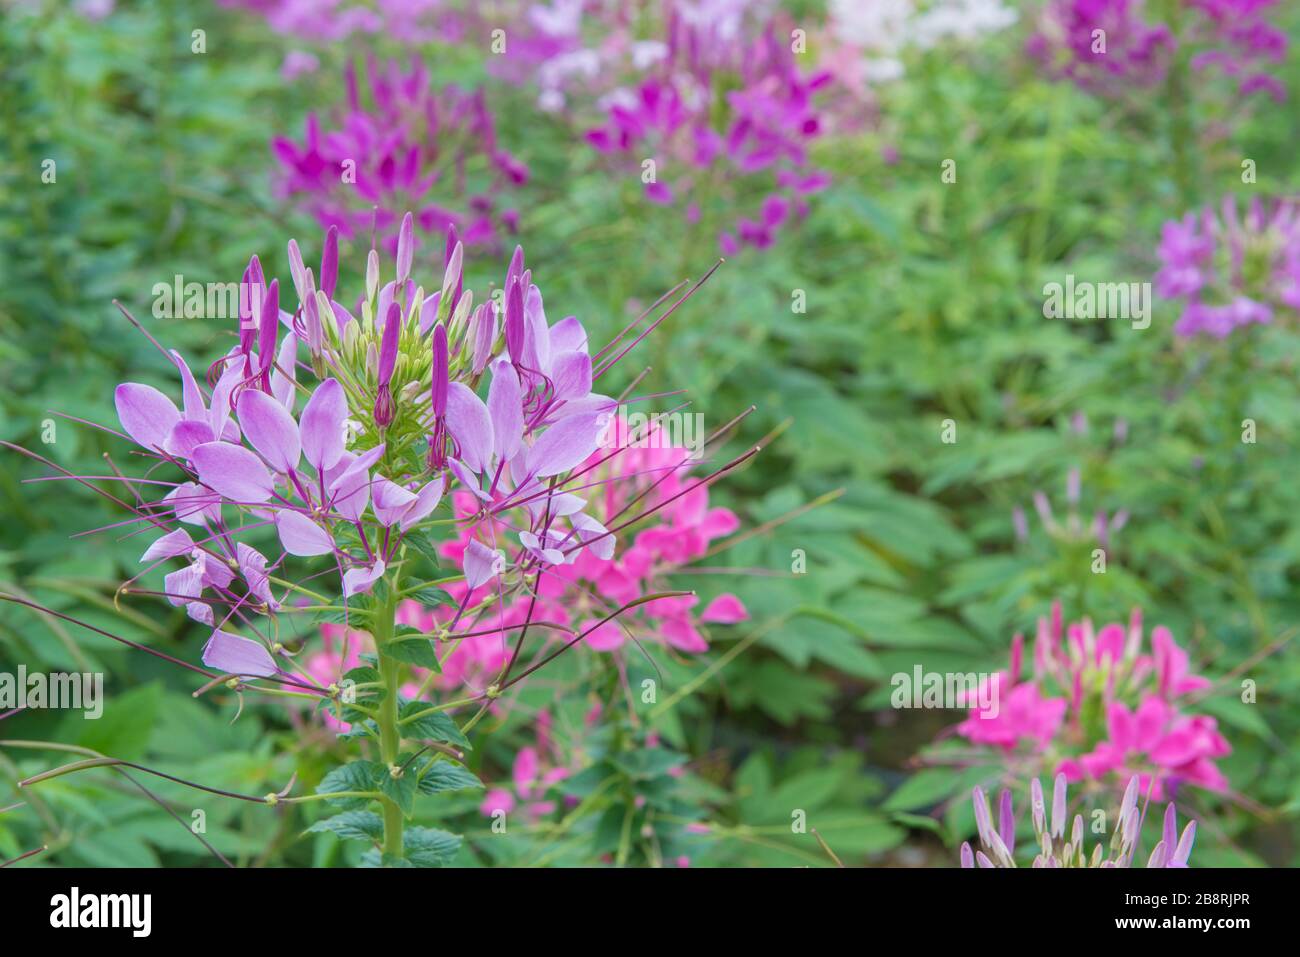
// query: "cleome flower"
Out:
[1099,707]
[1051,846]
[244,478]
[403,143]
[1232,270]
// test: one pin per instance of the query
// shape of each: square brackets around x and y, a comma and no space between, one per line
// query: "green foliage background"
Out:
[924,304]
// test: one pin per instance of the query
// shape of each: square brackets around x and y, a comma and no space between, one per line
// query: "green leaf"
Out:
[354,616]
[416,650]
[431,595]
[445,776]
[924,789]
[124,729]
[352,826]
[429,847]
[400,790]
[357,776]
[434,727]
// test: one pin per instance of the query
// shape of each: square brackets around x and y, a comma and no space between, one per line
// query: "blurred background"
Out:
[913,400]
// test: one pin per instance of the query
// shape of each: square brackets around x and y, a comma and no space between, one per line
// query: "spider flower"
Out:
[728,117]
[265,465]
[1098,705]
[402,143]
[1053,848]
[1231,270]
[1109,47]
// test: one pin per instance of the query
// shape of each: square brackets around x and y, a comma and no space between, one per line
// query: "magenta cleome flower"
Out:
[1232,270]
[404,144]
[1109,47]
[726,115]
[1098,707]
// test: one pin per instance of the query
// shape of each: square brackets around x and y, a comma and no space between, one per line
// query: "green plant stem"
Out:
[390,736]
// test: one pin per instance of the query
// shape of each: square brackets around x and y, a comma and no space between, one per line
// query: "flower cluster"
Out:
[1098,705]
[393,422]
[405,145]
[1110,46]
[1053,849]
[726,115]
[1232,270]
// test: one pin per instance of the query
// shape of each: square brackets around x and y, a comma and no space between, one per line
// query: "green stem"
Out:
[390,736]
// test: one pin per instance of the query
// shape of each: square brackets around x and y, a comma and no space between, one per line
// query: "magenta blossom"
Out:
[1231,270]
[404,144]
[1098,706]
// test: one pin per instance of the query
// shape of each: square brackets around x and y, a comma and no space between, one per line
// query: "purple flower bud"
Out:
[387,360]
[515,322]
[1072,487]
[1006,821]
[329,262]
[438,394]
[485,335]
[516,268]
[269,331]
[1058,806]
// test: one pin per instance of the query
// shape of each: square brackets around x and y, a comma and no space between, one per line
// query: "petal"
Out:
[425,502]
[726,609]
[470,425]
[282,383]
[356,580]
[233,472]
[321,424]
[505,406]
[604,637]
[169,546]
[193,505]
[301,536]
[568,335]
[186,436]
[270,429]
[192,397]
[390,500]
[252,568]
[571,372]
[147,415]
[594,535]
[481,564]
[233,655]
[564,445]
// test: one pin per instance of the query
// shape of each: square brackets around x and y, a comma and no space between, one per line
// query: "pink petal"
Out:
[390,500]
[301,536]
[564,445]
[726,609]
[481,564]
[321,424]
[233,655]
[147,415]
[170,545]
[505,407]
[470,425]
[233,472]
[357,580]
[270,429]
[426,500]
